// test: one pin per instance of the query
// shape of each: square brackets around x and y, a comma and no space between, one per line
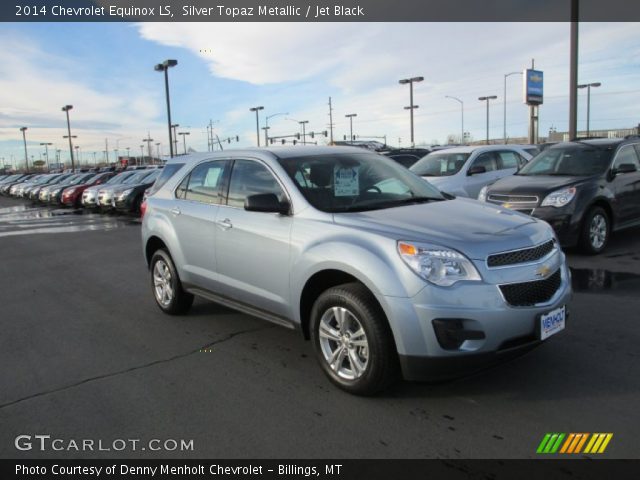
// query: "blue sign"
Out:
[533,87]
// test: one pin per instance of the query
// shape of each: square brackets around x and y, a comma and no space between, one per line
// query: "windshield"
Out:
[440,164]
[571,161]
[138,177]
[356,182]
[121,177]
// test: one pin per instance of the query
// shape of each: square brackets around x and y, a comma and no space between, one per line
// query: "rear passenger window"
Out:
[250,178]
[203,184]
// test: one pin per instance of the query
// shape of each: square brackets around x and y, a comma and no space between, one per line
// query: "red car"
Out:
[71,196]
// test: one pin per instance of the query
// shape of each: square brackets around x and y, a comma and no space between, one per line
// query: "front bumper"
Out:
[565,223]
[490,330]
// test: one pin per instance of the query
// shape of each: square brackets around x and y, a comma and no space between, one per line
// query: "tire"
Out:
[166,286]
[366,361]
[596,231]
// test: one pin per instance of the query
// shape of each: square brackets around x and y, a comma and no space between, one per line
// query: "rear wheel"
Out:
[166,285]
[595,231]
[352,340]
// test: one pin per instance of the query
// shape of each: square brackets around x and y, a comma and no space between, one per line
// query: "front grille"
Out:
[499,198]
[524,255]
[527,294]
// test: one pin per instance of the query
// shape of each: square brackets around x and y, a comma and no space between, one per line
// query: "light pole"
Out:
[164,67]
[504,102]
[66,109]
[175,137]
[411,106]
[304,131]
[77,147]
[483,99]
[266,125]
[588,87]
[142,154]
[46,153]
[184,141]
[461,116]
[257,109]
[26,156]
[158,150]
[350,117]
[148,140]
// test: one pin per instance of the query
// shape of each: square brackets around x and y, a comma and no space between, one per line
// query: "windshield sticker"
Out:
[346,181]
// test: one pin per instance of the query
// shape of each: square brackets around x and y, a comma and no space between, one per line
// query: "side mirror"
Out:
[625,168]
[266,203]
[476,169]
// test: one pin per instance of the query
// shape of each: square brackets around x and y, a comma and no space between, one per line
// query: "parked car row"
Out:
[105,191]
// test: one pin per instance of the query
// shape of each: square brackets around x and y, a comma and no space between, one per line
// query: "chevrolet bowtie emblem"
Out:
[543,271]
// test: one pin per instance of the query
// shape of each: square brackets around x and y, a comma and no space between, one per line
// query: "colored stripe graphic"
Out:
[573,443]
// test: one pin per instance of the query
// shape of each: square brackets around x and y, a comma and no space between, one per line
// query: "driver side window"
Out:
[626,154]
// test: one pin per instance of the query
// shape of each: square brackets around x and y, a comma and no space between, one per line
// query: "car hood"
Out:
[533,184]
[471,227]
[441,183]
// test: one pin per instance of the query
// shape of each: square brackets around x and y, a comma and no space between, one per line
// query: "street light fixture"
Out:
[411,106]
[266,125]
[483,99]
[350,117]
[66,109]
[184,141]
[588,87]
[504,102]
[46,153]
[164,67]
[462,116]
[257,109]
[26,156]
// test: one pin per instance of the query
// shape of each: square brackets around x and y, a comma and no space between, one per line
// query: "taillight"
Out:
[143,208]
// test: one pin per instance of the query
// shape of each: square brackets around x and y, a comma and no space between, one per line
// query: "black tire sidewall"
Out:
[180,298]
[355,299]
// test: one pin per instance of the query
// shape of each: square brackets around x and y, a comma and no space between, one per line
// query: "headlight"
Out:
[69,191]
[559,198]
[438,265]
[55,192]
[482,196]
[126,192]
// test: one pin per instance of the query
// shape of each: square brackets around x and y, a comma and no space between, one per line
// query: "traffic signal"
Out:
[237,138]
[324,133]
[297,136]
[295,141]
[284,141]
[311,134]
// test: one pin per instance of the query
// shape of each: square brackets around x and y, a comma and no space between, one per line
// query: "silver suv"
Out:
[384,273]
[463,171]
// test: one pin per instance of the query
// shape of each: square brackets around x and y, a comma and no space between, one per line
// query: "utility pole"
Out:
[148,140]
[330,122]
[573,72]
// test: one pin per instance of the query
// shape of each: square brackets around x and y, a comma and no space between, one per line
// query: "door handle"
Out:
[225,224]
[175,211]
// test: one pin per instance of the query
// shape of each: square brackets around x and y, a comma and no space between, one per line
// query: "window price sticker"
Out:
[346,181]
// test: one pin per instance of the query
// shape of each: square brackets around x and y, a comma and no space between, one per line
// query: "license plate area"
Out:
[552,322]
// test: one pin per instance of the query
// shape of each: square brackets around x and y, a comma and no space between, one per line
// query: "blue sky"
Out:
[106,71]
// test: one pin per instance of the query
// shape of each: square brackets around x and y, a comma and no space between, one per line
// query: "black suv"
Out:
[584,189]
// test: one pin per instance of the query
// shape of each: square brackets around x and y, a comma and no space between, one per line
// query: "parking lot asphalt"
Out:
[86,354]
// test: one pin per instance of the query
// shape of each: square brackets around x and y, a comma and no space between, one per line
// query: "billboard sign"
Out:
[533,86]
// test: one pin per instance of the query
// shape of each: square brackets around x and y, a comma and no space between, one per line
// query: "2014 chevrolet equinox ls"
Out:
[379,269]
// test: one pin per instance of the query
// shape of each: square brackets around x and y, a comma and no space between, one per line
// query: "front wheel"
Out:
[166,285]
[352,340]
[595,231]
